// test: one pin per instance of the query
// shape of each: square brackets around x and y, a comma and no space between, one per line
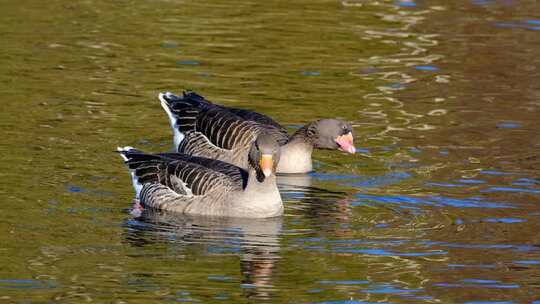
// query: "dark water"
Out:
[441,206]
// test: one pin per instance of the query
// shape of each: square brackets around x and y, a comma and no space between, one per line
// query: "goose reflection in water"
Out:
[322,206]
[255,242]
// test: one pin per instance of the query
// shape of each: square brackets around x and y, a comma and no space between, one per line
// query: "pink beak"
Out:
[345,143]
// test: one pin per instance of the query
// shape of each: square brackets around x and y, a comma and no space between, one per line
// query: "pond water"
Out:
[440,205]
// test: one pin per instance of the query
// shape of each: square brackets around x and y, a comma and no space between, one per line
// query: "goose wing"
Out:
[236,174]
[272,126]
[242,113]
[186,175]
[219,127]
[224,128]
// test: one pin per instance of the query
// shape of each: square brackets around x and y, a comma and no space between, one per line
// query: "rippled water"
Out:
[440,206]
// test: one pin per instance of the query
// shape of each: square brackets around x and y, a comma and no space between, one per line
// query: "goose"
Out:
[203,128]
[200,186]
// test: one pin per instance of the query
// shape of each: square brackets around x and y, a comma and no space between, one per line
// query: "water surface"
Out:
[439,206]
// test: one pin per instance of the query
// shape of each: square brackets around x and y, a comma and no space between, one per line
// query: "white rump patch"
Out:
[136,185]
[173,120]
[134,180]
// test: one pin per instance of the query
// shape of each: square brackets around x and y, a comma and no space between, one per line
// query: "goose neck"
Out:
[260,198]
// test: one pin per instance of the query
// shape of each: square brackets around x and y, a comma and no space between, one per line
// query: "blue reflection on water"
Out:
[187,62]
[506,25]
[527,262]
[383,252]
[389,289]
[527,24]
[426,68]
[74,189]
[315,290]
[221,296]
[396,85]
[341,246]
[420,298]
[344,282]
[483,2]
[489,302]
[479,281]
[494,172]
[331,177]
[508,125]
[415,150]
[470,181]
[506,220]
[435,201]
[443,185]
[406,3]
[369,242]
[525,182]
[27,284]
[510,189]
[496,286]
[362,181]
[519,248]
[350,302]
[219,278]
[470,266]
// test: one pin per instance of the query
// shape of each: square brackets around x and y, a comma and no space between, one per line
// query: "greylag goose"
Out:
[201,186]
[205,129]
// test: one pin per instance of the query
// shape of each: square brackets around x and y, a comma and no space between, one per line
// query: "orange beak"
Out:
[345,143]
[267,164]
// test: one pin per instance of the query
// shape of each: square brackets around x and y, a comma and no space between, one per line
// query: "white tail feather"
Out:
[124,149]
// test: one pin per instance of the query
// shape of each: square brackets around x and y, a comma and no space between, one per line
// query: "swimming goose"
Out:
[201,186]
[205,129]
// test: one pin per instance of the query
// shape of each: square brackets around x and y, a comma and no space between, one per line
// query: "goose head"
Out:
[332,134]
[264,155]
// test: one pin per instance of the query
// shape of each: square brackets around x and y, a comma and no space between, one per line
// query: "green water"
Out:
[441,206]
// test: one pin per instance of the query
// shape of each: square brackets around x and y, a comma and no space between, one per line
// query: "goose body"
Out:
[205,129]
[201,186]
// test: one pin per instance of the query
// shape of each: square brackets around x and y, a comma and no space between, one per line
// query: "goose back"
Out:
[212,131]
